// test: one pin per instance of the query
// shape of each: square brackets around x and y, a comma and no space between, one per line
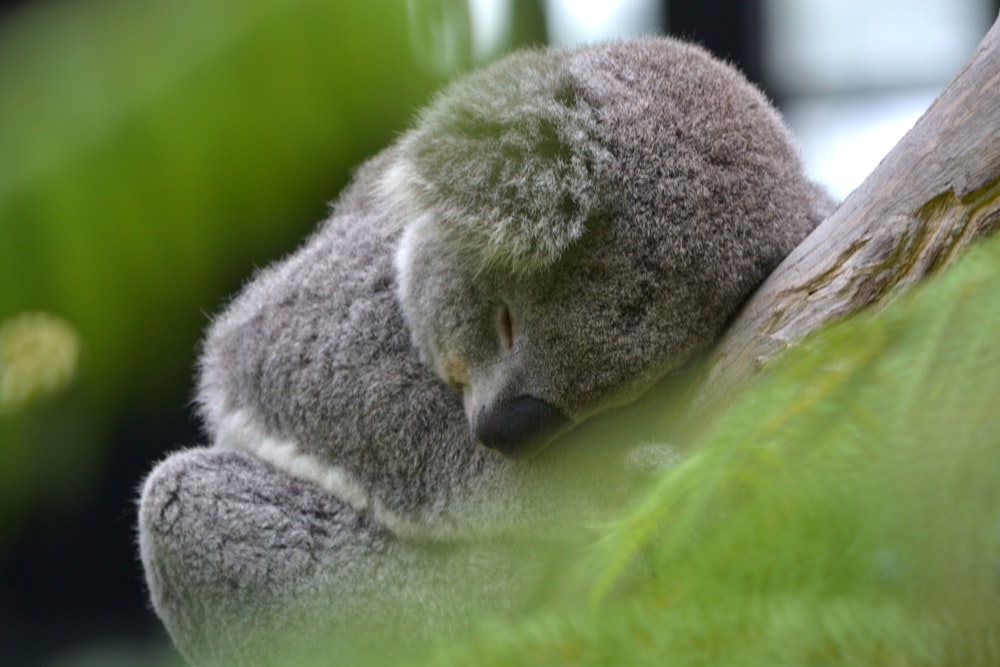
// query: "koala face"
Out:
[533,354]
[577,224]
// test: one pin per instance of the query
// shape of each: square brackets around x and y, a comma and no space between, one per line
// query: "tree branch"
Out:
[932,195]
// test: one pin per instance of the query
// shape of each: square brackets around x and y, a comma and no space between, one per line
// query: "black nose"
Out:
[519,427]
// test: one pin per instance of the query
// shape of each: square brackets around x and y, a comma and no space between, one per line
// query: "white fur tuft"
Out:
[239,430]
[398,190]
[404,258]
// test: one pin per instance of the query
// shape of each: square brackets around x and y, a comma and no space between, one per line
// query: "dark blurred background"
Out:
[152,154]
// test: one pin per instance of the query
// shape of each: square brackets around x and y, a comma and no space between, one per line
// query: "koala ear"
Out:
[507,162]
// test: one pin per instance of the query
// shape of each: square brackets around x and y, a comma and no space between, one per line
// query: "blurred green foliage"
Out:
[151,153]
[846,511]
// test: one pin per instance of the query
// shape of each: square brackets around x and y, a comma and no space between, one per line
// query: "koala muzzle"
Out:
[519,427]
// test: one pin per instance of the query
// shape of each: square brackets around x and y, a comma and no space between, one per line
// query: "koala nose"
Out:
[519,427]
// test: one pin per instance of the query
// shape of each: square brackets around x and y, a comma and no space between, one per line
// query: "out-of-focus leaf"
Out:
[38,357]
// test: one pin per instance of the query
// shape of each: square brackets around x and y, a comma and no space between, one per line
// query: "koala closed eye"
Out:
[508,327]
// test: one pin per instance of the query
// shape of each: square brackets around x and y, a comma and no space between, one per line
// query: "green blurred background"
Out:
[152,154]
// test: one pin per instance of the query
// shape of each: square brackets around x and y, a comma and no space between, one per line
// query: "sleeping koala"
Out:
[392,409]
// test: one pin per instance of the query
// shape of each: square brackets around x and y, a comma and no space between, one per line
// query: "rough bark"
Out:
[932,195]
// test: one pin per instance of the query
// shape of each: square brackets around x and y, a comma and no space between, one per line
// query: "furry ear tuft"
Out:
[509,165]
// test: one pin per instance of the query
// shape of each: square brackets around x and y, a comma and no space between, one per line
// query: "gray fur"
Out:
[619,201]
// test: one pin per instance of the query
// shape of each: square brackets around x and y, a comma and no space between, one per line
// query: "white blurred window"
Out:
[582,21]
[855,75]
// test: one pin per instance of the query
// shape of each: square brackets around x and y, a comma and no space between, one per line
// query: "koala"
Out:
[395,407]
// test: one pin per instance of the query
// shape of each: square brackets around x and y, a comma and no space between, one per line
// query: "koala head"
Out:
[577,224]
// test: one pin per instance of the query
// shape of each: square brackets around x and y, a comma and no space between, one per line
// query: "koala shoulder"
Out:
[308,307]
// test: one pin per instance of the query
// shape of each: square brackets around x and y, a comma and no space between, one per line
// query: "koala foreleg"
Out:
[247,565]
